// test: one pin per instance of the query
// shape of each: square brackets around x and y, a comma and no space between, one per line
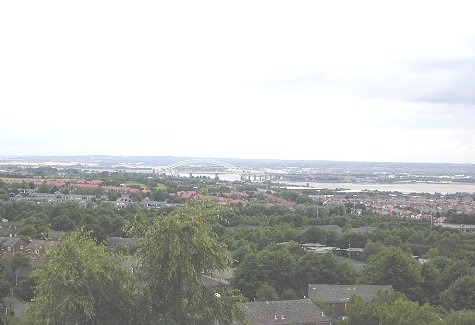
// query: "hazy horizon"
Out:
[134,159]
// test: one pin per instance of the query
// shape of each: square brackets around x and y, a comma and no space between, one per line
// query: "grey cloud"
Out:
[434,116]
[444,80]
[447,80]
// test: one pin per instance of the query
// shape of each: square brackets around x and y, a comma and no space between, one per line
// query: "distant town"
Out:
[420,191]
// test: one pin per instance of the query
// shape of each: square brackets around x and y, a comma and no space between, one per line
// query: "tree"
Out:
[323,269]
[461,294]
[136,226]
[81,282]
[313,235]
[431,284]
[25,289]
[176,250]
[62,223]
[360,312]
[160,195]
[460,318]
[17,260]
[34,227]
[390,308]
[266,293]
[396,267]
[352,238]
[274,267]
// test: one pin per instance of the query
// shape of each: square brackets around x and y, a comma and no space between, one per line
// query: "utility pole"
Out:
[432,214]
[11,301]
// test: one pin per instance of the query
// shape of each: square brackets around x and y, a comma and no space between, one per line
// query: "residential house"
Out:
[130,263]
[186,194]
[286,312]
[318,248]
[336,296]
[37,248]
[219,285]
[9,228]
[12,245]
[151,203]
[351,253]
[55,235]
[122,201]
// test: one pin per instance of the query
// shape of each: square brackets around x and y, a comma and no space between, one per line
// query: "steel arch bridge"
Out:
[207,162]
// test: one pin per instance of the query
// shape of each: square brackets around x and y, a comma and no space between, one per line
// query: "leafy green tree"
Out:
[113,195]
[455,270]
[27,231]
[5,274]
[176,249]
[390,308]
[33,227]
[360,312]
[62,223]
[313,235]
[460,318]
[13,262]
[247,277]
[160,195]
[25,289]
[44,188]
[266,293]
[352,239]
[431,282]
[406,312]
[81,282]
[274,267]
[461,294]
[372,248]
[396,267]
[323,269]
[136,226]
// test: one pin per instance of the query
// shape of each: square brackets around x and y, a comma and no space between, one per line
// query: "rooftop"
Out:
[341,292]
[301,311]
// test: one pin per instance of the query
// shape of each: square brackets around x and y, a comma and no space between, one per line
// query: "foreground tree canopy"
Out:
[81,282]
[175,251]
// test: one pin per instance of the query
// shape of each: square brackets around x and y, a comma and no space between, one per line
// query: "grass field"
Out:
[161,186]
[133,183]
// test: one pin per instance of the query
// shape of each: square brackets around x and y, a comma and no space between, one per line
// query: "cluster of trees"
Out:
[103,219]
[393,308]
[284,272]
[462,218]
[8,266]
[81,282]
[431,265]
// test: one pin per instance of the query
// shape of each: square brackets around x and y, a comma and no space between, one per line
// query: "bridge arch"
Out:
[208,162]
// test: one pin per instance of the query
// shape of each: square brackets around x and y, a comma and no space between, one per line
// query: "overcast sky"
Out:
[322,80]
